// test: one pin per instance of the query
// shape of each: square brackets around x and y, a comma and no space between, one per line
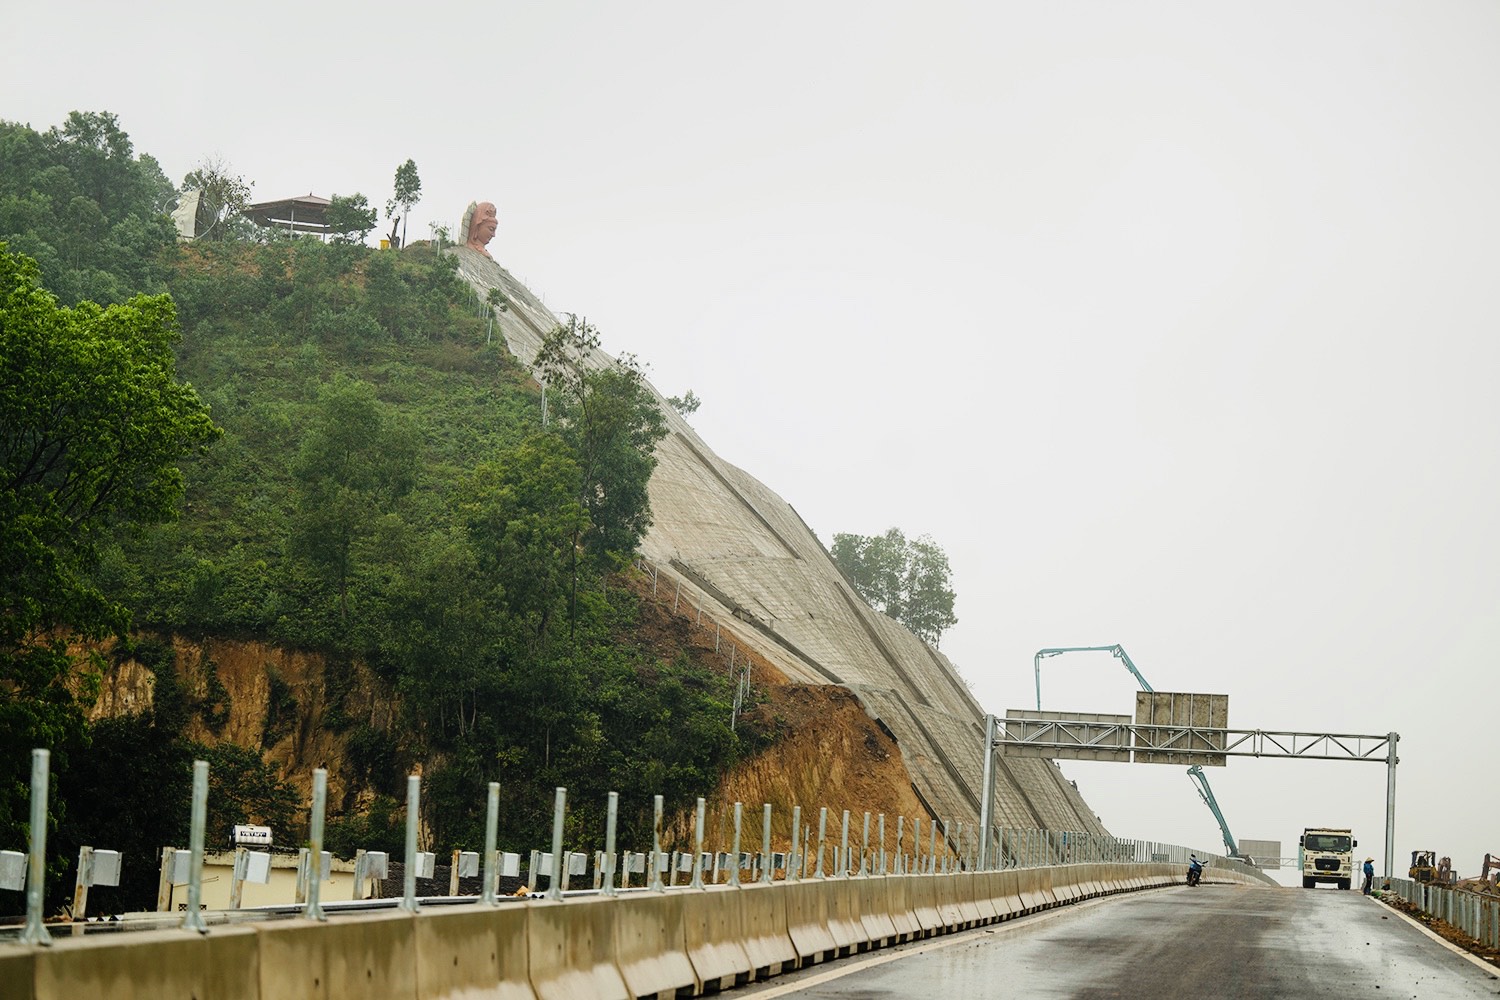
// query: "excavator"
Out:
[1195,773]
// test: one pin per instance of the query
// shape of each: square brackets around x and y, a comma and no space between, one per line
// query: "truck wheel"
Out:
[1308,883]
[1344,883]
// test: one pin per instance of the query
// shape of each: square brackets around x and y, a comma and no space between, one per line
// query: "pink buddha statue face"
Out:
[482,226]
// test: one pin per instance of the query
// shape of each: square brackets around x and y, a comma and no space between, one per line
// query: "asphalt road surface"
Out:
[1213,941]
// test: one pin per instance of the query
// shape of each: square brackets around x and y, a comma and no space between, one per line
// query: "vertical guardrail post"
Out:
[794,856]
[698,849]
[734,859]
[559,863]
[655,860]
[864,848]
[36,863]
[611,815]
[932,849]
[766,857]
[409,876]
[843,860]
[882,843]
[900,865]
[314,908]
[916,845]
[822,829]
[491,855]
[193,919]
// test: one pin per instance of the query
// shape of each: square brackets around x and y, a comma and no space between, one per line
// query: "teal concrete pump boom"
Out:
[1195,773]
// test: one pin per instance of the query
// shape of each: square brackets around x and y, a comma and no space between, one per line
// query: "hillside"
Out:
[744,552]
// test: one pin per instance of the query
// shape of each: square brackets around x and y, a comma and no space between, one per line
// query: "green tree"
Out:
[908,580]
[355,461]
[408,192]
[92,214]
[350,218]
[686,404]
[222,196]
[92,422]
[609,417]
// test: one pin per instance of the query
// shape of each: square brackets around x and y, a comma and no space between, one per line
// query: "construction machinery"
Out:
[1195,773]
[1423,866]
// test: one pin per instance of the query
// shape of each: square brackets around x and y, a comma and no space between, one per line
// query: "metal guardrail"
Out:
[1472,913]
[848,855]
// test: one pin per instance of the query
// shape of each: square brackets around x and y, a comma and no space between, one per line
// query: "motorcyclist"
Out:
[1195,870]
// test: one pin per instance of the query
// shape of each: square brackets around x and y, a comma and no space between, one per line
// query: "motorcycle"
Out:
[1195,872]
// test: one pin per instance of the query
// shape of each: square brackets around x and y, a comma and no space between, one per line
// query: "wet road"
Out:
[1215,941]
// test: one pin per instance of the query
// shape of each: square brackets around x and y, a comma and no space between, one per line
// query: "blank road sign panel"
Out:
[1169,719]
[1066,735]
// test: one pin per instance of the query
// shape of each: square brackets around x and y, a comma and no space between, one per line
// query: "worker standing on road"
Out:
[1369,874]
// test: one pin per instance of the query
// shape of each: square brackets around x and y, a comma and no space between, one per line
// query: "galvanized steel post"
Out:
[409,875]
[793,858]
[559,867]
[844,850]
[611,815]
[822,829]
[987,783]
[314,909]
[766,857]
[698,849]
[36,864]
[192,920]
[491,829]
[1390,800]
[655,860]
[734,860]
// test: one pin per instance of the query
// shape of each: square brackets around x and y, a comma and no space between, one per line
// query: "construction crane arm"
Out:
[1195,773]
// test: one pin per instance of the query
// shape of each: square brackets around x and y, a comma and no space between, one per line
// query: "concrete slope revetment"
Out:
[757,565]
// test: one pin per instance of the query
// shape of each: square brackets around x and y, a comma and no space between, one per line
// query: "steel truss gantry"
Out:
[1067,737]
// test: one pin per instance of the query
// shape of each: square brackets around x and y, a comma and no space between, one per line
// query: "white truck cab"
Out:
[1327,855]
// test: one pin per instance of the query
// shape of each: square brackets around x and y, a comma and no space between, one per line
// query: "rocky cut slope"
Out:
[750,561]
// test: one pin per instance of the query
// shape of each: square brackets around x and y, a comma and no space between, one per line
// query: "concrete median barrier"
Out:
[651,944]
[875,910]
[807,909]
[768,942]
[843,916]
[945,892]
[570,949]
[372,956]
[158,964]
[17,973]
[898,892]
[473,951]
[924,904]
[714,927]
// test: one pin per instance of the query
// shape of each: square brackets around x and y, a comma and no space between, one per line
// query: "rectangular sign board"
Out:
[1084,735]
[1168,718]
[1263,854]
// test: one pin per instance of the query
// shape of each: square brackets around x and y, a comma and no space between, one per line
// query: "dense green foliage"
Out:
[92,422]
[77,201]
[907,579]
[384,492]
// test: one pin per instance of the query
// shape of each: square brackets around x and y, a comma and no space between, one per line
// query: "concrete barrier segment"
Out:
[218,966]
[371,956]
[651,944]
[473,951]
[875,911]
[924,897]
[570,949]
[945,893]
[843,916]
[713,922]
[18,972]
[807,921]
[984,896]
[768,943]
[898,891]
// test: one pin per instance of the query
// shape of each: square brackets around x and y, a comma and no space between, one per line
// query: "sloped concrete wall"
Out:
[731,537]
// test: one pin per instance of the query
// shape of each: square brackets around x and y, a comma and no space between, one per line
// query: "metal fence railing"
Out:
[1472,913]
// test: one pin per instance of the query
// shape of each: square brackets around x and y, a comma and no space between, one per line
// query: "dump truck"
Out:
[1327,855]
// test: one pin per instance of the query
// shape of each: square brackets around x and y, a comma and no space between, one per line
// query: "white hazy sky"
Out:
[1168,321]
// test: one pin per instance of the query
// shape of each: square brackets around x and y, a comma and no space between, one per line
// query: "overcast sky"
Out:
[1172,323]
